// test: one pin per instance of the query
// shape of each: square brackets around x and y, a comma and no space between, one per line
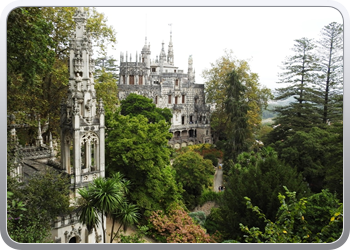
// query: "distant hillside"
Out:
[269,112]
[283,102]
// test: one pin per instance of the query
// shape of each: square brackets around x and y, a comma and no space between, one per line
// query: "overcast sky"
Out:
[263,36]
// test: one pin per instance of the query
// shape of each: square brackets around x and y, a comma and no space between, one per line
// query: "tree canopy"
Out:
[236,109]
[106,89]
[46,196]
[194,173]
[260,177]
[314,154]
[298,221]
[135,104]
[138,149]
[216,91]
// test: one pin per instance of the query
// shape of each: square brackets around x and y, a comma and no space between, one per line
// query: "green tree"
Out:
[28,47]
[138,149]
[214,221]
[106,89]
[320,208]
[261,179]
[292,225]
[335,168]
[127,214]
[139,105]
[299,73]
[88,213]
[106,64]
[256,95]
[213,159]
[15,209]
[194,173]
[46,196]
[29,58]
[313,154]
[236,109]
[330,82]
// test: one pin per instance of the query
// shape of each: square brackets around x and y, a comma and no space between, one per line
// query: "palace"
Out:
[169,87]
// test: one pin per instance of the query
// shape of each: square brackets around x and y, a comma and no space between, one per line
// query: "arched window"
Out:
[89,152]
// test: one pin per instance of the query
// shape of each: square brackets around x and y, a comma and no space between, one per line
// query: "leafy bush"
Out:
[213,221]
[291,226]
[213,158]
[194,174]
[177,227]
[261,179]
[199,217]
[209,195]
[134,238]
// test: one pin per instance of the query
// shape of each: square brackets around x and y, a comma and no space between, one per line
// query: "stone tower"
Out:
[82,116]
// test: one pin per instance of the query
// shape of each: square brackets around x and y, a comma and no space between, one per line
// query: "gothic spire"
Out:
[170,47]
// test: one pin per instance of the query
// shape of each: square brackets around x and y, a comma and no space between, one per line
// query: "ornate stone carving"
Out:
[73,233]
[76,109]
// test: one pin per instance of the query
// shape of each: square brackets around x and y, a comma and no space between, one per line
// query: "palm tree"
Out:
[102,196]
[88,213]
[127,214]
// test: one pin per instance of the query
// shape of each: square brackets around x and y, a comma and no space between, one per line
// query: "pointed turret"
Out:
[170,59]
[190,69]
[162,55]
[146,55]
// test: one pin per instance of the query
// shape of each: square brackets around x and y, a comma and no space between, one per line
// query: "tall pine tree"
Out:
[330,82]
[299,73]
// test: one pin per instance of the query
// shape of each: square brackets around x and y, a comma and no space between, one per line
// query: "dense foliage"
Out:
[315,154]
[236,109]
[294,222]
[138,149]
[194,174]
[135,104]
[44,197]
[260,176]
[106,89]
[256,96]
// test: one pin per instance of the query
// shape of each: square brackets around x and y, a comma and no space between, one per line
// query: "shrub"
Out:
[209,195]
[177,227]
[213,159]
[199,217]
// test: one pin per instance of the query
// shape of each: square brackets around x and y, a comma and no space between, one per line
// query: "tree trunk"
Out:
[112,230]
